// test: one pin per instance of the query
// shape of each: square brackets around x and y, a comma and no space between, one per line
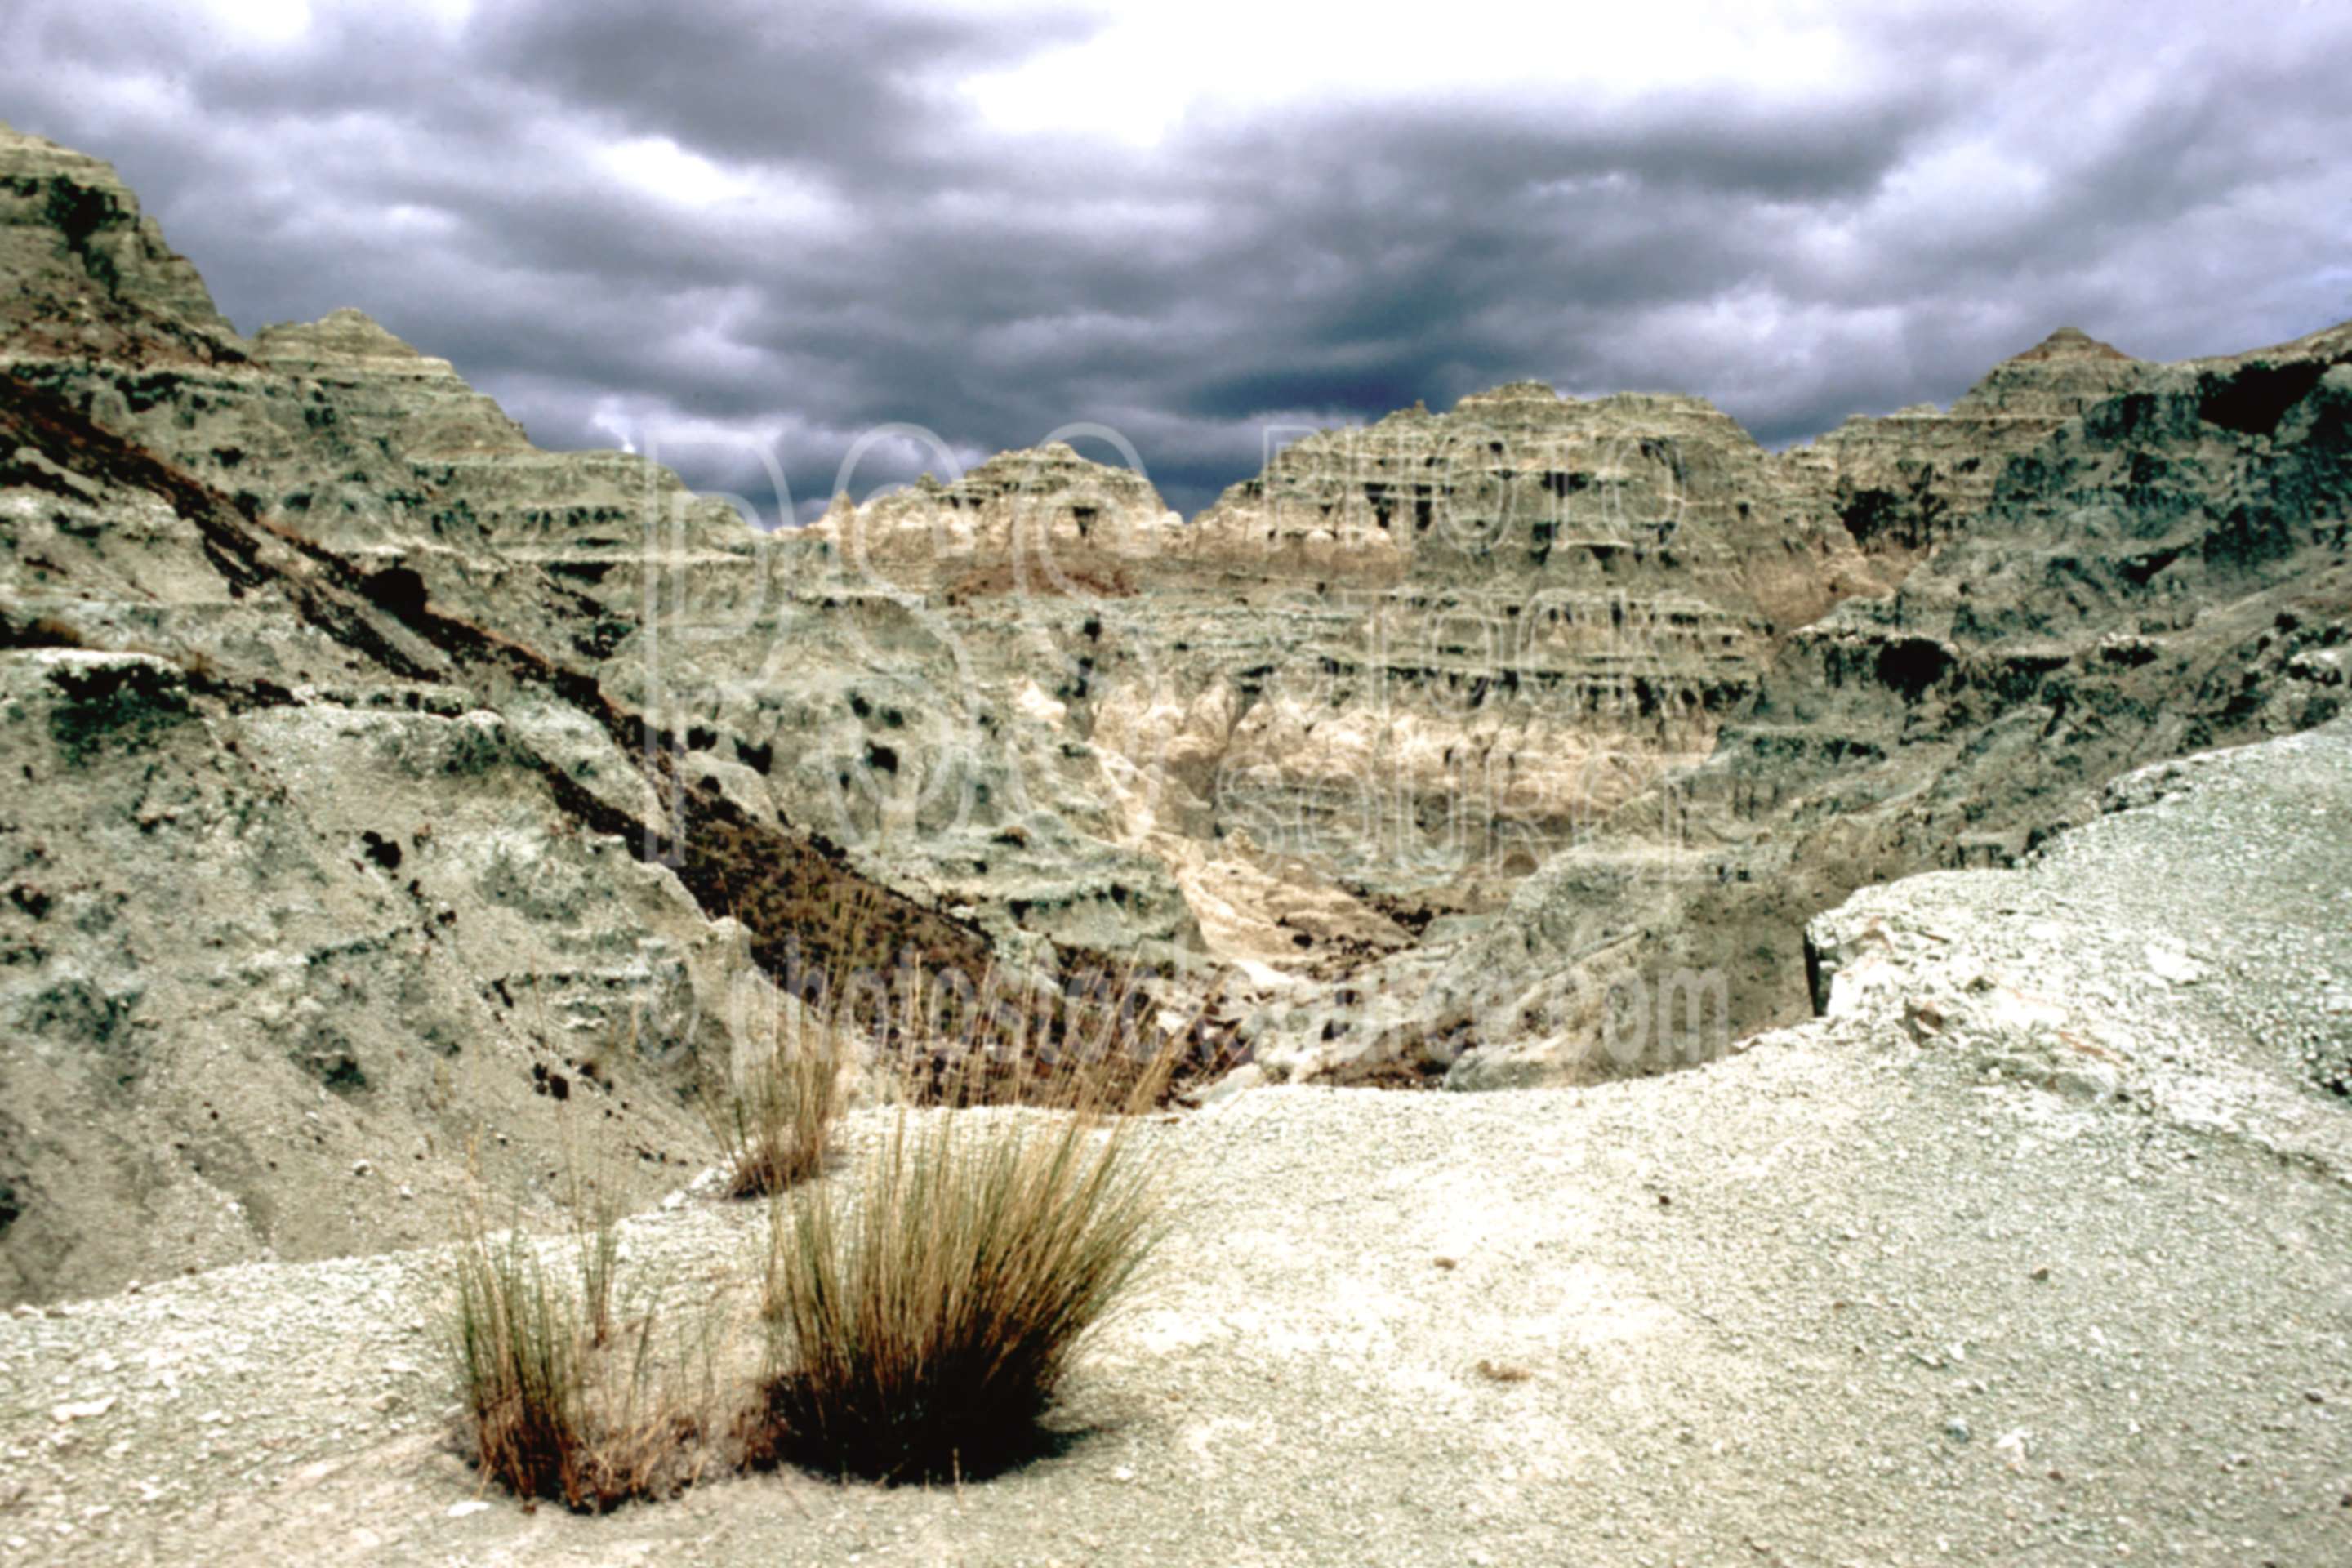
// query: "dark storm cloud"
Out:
[823,235]
[834,87]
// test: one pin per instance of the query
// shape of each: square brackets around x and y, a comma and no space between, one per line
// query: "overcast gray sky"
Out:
[750,224]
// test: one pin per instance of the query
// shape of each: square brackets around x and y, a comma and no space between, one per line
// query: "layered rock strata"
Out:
[370,750]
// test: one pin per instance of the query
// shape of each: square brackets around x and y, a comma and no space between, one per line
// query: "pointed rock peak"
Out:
[351,316]
[13,139]
[344,333]
[2057,378]
[67,221]
[1053,455]
[1056,458]
[2069,343]
[31,162]
[26,155]
[343,342]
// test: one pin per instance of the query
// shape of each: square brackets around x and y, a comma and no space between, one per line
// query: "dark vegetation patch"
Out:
[78,213]
[1912,665]
[1911,518]
[37,631]
[333,1064]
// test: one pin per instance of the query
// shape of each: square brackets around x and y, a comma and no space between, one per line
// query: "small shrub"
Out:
[920,1324]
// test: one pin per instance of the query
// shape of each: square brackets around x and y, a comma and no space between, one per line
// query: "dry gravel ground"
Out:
[1904,1285]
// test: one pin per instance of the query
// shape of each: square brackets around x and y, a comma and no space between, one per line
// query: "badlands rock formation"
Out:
[331,869]
[395,795]
[1483,742]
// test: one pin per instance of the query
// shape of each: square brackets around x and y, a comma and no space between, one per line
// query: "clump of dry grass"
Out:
[561,1403]
[773,1121]
[921,1321]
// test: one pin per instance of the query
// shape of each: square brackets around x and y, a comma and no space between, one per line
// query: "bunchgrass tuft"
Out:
[773,1120]
[595,1206]
[521,1368]
[560,1402]
[921,1321]
[920,1308]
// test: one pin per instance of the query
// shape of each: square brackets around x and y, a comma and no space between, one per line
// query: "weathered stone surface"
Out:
[128,294]
[330,846]
[1045,522]
[2149,579]
[1903,482]
[2179,952]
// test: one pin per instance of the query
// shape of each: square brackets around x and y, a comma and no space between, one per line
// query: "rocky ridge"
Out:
[1461,724]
